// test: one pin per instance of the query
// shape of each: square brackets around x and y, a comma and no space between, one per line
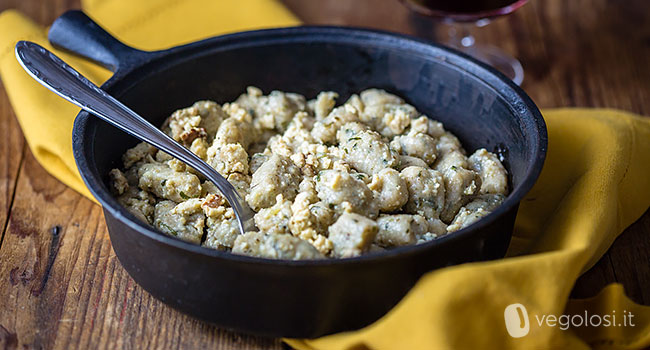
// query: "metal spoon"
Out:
[66,82]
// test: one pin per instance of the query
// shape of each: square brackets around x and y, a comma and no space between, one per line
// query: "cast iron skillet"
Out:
[299,298]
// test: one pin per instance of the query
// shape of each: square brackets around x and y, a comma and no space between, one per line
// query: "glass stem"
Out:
[461,37]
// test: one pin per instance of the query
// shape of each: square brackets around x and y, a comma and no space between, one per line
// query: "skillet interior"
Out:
[478,113]
[472,101]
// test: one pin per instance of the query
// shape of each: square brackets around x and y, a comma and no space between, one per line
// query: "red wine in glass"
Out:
[464,10]
[477,12]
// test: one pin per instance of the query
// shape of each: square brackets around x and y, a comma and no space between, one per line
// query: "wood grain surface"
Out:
[61,286]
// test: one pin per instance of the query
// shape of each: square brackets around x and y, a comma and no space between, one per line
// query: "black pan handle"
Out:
[76,32]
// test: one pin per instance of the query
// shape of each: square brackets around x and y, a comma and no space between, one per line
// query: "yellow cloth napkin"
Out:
[47,120]
[593,185]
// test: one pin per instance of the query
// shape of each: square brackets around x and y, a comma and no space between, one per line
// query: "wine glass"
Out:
[462,15]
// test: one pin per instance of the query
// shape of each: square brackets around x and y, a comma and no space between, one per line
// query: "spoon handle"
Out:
[56,75]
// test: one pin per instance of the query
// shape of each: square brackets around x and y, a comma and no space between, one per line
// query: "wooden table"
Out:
[61,285]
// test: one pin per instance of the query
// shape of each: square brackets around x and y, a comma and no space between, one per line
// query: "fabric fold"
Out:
[46,119]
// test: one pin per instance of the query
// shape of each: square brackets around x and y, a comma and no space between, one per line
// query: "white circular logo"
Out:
[516,318]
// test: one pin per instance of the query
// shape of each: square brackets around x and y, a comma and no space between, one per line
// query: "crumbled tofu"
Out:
[228,158]
[275,219]
[140,152]
[278,107]
[318,175]
[325,130]
[221,223]
[201,120]
[397,118]
[374,102]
